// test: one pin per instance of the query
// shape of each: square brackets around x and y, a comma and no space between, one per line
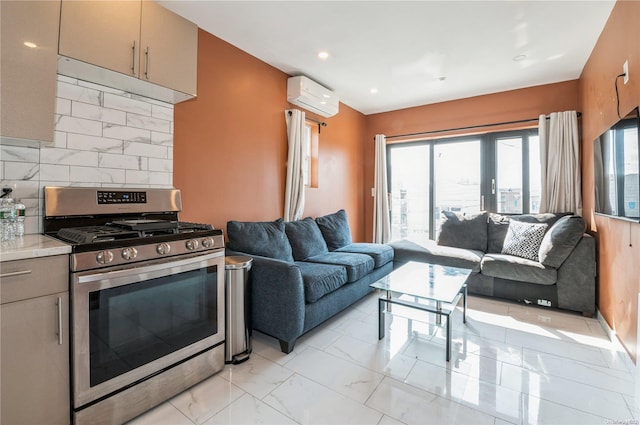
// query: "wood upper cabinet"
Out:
[141,39]
[169,48]
[28,72]
[103,33]
[34,362]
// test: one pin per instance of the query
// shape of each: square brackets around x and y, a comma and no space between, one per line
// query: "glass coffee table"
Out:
[439,287]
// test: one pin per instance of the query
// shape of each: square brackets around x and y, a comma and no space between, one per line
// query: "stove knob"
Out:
[129,253]
[104,257]
[207,242]
[191,244]
[163,248]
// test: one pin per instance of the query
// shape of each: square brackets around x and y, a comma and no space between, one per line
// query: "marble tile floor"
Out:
[510,364]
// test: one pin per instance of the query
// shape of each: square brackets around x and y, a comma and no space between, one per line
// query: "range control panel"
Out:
[121,197]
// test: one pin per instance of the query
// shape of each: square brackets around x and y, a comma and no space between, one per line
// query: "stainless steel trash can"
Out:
[238,308]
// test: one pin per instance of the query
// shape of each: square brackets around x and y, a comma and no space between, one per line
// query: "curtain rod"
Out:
[320,123]
[471,127]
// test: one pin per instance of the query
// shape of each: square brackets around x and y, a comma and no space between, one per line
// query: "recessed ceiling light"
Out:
[323,55]
[519,58]
[373,90]
[30,44]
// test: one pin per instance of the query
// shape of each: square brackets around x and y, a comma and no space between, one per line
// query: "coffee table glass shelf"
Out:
[441,287]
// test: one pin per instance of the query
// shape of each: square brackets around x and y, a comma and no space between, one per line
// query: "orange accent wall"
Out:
[618,241]
[506,106]
[230,145]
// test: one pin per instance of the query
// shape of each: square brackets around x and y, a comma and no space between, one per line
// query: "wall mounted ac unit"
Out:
[309,95]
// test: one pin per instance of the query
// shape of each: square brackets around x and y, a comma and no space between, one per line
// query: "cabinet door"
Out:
[169,49]
[35,367]
[28,74]
[102,33]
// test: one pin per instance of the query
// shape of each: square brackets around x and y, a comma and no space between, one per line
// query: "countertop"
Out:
[32,246]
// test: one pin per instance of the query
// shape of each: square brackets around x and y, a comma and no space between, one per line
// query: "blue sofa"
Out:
[305,271]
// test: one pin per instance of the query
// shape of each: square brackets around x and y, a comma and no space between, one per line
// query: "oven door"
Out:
[131,323]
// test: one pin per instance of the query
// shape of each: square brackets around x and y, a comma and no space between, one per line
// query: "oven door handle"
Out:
[150,271]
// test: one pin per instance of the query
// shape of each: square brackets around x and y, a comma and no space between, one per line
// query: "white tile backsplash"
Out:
[68,157]
[78,125]
[94,143]
[21,171]
[162,112]
[145,149]
[148,123]
[53,172]
[104,137]
[19,154]
[123,103]
[98,113]
[126,162]
[77,93]
[163,139]
[127,133]
[99,175]
[165,165]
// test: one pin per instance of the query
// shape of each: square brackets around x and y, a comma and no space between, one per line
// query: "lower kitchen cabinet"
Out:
[34,370]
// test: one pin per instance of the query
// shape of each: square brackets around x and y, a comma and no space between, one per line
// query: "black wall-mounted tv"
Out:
[617,169]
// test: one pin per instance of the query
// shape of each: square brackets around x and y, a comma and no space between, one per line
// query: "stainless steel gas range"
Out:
[147,291]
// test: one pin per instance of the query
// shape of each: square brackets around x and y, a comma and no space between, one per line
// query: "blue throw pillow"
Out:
[305,238]
[335,229]
[264,238]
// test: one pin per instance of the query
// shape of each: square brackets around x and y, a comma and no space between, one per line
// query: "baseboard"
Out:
[631,367]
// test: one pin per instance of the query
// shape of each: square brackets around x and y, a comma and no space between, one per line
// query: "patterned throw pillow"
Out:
[524,239]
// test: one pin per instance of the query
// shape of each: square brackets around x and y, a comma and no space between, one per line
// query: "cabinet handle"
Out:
[11,274]
[133,58]
[147,54]
[60,320]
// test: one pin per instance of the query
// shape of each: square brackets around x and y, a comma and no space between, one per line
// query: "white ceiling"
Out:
[404,48]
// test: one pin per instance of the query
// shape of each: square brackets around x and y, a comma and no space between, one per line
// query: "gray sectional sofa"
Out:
[305,271]
[542,259]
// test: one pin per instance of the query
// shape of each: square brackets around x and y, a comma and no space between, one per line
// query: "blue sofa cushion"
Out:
[381,253]
[468,231]
[357,265]
[335,229]
[320,279]
[305,238]
[264,238]
[560,240]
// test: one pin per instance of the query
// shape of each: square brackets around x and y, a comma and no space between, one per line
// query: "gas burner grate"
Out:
[92,234]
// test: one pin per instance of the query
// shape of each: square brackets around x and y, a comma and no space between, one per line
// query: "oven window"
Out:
[132,325]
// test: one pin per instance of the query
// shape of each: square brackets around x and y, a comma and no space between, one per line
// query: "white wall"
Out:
[104,137]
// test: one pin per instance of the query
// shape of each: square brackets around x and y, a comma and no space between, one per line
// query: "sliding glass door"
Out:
[410,199]
[497,172]
[456,178]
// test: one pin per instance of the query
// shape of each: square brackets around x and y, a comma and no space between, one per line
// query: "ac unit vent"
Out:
[309,95]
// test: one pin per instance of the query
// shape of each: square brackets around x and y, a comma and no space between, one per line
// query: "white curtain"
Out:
[560,160]
[381,221]
[294,191]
